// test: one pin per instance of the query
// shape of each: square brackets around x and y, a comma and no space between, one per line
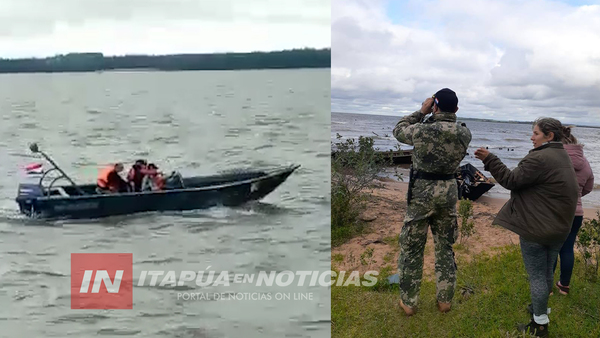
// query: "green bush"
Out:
[354,166]
[588,241]
[465,212]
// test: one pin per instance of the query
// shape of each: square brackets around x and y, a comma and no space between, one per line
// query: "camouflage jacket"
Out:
[439,144]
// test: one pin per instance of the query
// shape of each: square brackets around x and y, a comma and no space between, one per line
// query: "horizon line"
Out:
[167,54]
[473,118]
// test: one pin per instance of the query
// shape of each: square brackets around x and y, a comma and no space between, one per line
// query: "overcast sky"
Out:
[116,27]
[506,59]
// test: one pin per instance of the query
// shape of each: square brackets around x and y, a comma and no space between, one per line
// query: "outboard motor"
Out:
[174,181]
[30,189]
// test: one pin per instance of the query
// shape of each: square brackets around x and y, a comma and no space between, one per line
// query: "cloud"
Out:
[39,27]
[505,59]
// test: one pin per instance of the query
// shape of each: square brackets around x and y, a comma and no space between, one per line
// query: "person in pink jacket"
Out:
[585,179]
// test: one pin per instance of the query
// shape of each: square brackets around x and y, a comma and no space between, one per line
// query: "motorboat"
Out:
[46,200]
[472,183]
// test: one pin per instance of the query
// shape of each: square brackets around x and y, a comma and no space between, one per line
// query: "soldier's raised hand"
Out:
[481,153]
[427,106]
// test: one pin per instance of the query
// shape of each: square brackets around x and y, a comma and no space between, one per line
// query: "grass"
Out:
[342,234]
[389,257]
[338,258]
[460,247]
[388,270]
[491,298]
[391,241]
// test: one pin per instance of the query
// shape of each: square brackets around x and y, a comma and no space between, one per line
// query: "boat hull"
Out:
[472,184]
[395,157]
[207,192]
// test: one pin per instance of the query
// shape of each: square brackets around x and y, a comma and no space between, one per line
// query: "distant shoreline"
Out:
[97,62]
[473,119]
[143,70]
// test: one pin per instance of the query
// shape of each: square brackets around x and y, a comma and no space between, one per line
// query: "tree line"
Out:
[89,62]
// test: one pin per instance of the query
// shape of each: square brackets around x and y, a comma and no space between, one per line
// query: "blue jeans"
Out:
[567,258]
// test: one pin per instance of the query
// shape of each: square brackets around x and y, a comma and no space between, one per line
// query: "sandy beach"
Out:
[385,217]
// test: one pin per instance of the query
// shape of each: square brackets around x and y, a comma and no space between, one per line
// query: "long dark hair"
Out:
[548,125]
[569,138]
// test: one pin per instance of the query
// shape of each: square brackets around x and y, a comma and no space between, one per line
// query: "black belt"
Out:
[433,177]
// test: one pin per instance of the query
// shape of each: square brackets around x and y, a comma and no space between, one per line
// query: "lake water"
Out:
[510,141]
[197,123]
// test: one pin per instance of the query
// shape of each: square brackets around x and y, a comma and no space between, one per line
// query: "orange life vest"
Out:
[103,177]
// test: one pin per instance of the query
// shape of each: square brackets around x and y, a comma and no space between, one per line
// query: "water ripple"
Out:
[118,332]
[43,273]
[80,318]
[160,261]
[18,252]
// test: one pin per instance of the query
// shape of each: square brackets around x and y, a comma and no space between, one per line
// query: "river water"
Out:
[510,141]
[197,123]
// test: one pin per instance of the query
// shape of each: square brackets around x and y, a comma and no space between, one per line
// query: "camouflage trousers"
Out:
[413,237]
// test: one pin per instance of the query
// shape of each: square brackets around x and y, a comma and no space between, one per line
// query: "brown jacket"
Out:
[543,196]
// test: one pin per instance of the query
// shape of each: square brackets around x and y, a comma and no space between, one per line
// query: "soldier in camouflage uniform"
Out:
[440,144]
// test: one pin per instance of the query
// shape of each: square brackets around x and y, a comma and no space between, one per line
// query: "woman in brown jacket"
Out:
[540,210]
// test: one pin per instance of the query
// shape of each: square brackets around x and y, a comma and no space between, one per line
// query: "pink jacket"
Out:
[585,177]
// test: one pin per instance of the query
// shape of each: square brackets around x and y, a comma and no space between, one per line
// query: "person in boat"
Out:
[109,180]
[153,179]
[541,209]
[136,175]
[440,144]
[585,179]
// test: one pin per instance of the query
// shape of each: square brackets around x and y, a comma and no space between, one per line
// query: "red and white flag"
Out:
[34,169]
